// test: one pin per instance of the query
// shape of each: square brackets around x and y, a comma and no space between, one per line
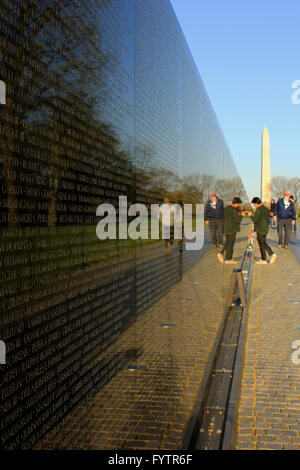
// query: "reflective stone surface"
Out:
[99,99]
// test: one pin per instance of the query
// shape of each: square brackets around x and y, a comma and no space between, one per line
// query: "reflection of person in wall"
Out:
[214,218]
[180,241]
[232,221]
[167,218]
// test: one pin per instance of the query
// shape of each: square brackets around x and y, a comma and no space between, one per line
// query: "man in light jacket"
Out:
[214,218]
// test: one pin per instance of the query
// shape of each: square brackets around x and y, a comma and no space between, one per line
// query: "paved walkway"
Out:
[269,413]
[149,407]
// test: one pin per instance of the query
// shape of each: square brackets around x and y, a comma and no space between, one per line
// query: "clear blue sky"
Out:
[248,55]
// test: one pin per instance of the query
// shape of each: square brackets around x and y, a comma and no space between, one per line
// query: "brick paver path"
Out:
[269,412]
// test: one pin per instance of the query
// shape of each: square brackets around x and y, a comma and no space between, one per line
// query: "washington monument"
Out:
[265,167]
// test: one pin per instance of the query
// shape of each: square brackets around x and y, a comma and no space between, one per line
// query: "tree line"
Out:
[279,184]
[194,188]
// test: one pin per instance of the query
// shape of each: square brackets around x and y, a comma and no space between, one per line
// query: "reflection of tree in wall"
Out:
[143,157]
[227,189]
[192,189]
[162,182]
[158,182]
[207,185]
[52,64]
[165,183]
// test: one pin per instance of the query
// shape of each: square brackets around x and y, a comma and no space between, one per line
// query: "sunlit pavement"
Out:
[269,413]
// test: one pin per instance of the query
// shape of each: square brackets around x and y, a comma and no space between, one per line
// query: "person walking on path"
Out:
[285,216]
[232,221]
[261,219]
[214,218]
[272,207]
[295,204]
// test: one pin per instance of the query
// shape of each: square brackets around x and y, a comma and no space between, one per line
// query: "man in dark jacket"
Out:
[232,221]
[261,219]
[213,216]
[285,214]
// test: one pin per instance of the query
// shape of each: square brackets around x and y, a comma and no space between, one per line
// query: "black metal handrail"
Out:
[212,425]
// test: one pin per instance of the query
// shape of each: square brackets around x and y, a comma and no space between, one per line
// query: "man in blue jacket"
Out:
[285,214]
[214,217]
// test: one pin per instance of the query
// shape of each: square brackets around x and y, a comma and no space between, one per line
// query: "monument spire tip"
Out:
[265,167]
[265,131]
